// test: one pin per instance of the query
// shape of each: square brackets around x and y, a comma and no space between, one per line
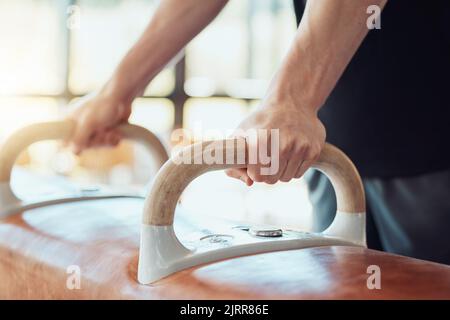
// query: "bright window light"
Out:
[31,47]
[154,114]
[211,117]
[106,31]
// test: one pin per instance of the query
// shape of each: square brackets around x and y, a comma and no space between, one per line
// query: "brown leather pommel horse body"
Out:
[128,247]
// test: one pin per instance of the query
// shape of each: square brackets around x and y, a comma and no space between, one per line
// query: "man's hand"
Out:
[172,26]
[97,117]
[327,38]
[301,138]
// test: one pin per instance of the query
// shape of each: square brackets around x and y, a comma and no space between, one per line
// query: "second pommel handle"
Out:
[63,130]
[177,173]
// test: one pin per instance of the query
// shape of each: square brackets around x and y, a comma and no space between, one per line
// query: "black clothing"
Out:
[390,112]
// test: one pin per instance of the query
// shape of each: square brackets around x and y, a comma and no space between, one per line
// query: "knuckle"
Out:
[285,151]
[315,153]
[305,146]
[86,121]
[270,181]
[253,173]
[317,147]
[298,153]
[256,176]
[116,141]
[315,156]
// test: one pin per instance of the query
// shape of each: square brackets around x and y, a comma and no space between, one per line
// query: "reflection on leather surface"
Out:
[102,238]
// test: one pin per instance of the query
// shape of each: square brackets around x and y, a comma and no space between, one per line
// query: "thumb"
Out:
[240,174]
[82,135]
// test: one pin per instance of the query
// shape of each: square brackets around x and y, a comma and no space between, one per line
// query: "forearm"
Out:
[328,36]
[173,25]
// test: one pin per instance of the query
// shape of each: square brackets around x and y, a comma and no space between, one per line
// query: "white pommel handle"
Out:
[60,130]
[159,244]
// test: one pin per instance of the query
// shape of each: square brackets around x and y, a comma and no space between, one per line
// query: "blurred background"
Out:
[55,51]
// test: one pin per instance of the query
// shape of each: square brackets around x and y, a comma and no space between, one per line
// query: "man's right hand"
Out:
[172,26]
[97,118]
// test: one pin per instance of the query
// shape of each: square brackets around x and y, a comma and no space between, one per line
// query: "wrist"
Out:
[115,90]
[286,93]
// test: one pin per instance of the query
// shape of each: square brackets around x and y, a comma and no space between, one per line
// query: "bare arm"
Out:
[327,38]
[173,25]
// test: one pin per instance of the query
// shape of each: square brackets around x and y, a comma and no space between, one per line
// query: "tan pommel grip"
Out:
[178,172]
[63,130]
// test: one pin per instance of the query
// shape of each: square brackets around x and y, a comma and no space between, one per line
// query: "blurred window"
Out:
[55,51]
[105,32]
[32,47]
[64,49]
[249,38]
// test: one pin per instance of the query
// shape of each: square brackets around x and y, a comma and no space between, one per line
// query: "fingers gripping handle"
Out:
[161,253]
[176,174]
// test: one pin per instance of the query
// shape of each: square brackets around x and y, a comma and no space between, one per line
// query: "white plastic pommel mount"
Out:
[161,248]
[349,226]
[161,253]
